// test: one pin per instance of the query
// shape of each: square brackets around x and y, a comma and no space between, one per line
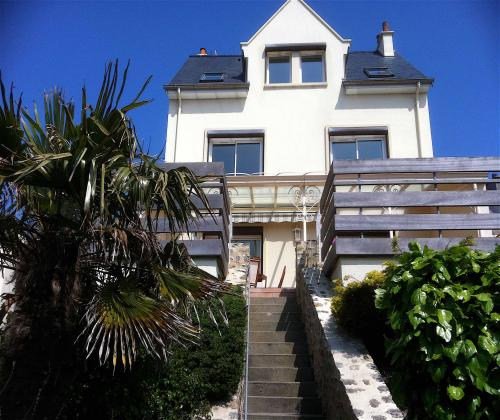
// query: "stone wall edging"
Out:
[349,384]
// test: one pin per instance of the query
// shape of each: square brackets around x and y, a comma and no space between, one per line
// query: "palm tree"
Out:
[78,208]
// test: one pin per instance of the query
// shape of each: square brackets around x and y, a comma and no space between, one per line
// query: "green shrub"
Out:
[443,307]
[354,305]
[196,376]
[354,308]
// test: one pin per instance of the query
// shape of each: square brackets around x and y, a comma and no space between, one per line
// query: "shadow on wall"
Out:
[220,106]
[394,101]
[275,280]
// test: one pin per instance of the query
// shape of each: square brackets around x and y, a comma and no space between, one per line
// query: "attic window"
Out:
[212,77]
[378,72]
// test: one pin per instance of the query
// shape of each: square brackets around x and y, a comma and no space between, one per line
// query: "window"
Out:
[358,147]
[279,69]
[295,63]
[312,68]
[378,72]
[212,77]
[242,156]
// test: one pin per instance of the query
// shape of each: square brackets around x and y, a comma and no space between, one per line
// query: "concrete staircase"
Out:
[281,380]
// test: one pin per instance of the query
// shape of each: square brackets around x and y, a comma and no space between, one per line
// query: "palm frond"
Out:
[120,319]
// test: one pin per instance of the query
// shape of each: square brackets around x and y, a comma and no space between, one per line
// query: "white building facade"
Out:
[279,112]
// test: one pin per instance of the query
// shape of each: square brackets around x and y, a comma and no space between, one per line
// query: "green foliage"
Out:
[80,208]
[196,376]
[354,305]
[443,307]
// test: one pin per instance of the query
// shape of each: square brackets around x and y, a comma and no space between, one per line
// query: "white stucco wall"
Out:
[279,251]
[356,268]
[296,117]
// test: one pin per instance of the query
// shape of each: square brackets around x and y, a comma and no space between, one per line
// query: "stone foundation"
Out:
[349,384]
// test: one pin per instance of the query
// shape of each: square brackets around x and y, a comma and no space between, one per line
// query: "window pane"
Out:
[370,149]
[312,69]
[248,158]
[224,153]
[341,151]
[279,70]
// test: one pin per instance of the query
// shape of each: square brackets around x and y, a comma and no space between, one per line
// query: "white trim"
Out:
[203,93]
[308,8]
[295,85]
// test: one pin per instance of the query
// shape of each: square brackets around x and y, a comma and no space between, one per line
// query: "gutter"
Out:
[179,110]
[417,118]
[378,82]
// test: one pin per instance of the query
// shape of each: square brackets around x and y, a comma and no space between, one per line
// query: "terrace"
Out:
[207,237]
[371,207]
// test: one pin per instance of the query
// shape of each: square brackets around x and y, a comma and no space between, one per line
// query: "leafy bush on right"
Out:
[443,307]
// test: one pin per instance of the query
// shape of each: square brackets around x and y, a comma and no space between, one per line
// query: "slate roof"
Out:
[397,65]
[233,67]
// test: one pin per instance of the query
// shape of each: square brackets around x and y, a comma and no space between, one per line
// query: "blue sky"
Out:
[66,44]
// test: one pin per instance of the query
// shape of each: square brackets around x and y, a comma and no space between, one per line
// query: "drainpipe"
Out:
[417,119]
[179,110]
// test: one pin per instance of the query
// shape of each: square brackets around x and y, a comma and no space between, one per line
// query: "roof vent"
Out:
[385,45]
[211,77]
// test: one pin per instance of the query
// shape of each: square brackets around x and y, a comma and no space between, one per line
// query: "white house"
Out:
[279,112]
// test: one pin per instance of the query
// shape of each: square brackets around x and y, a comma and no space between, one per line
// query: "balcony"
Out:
[369,207]
[206,238]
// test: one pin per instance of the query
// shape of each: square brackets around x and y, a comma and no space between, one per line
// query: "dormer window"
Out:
[378,72]
[211,77]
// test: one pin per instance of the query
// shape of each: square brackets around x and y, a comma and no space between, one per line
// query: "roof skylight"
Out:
[378,72]
[212,77]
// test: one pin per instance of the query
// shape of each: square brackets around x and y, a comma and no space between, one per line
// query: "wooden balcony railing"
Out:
[437,201]
[208,235]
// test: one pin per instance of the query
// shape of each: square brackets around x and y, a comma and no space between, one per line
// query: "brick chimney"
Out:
[385,45]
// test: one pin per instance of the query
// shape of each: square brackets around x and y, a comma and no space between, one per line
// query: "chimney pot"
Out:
[385,45]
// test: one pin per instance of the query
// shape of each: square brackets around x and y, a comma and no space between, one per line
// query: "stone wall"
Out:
[349,384]
[239,262]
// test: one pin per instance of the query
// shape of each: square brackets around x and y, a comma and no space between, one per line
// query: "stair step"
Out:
[282,389]
[284,405]
[266,416]
[280,374]
[274,317]
[276,326]
[274,308]
[273,300]
[278,348]
[277,336]
[278,360]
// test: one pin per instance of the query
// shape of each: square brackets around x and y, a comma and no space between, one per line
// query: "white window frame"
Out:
[357,139]
[295,60]
[279,54]
[320,54]
[235,141]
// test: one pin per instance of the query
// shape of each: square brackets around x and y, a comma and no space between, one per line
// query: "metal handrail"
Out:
[244,414]
[247,350]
